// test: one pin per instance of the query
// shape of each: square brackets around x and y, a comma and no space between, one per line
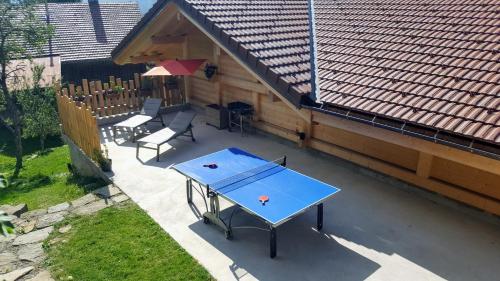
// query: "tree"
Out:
[22,34]
[39,108]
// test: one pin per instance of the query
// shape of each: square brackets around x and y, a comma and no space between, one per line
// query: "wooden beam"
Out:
[272,97]
[168,39]
[242,84]
[307,130]
[185,55]
[146,58]
[424,165]
[216,78]
[276,130]
[256,106]
[471,198]
[438,150]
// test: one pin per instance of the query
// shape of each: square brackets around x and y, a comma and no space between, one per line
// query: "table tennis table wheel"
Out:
[228,234]
[206,220]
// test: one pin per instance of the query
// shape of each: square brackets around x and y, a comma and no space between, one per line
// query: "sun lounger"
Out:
[180,126]
[149,112]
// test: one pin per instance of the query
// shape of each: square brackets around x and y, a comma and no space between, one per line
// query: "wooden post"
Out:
[72,90]
[216,79]
[137,80]
[117,96]
[85,85]
[126,100]
[185,55]
[165,93]
[130,95]
[95,99]
[119,82]
[86,93]
[307,130]
[100,97]
[112,82]
[123,98]
[256,106]
[424,165]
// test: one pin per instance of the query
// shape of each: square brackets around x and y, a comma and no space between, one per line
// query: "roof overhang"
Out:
[145,35]
[167,12]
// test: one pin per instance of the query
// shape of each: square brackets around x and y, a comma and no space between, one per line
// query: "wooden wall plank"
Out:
[401,156]
[461,195]
[462,175]
[424,165]
[446,152]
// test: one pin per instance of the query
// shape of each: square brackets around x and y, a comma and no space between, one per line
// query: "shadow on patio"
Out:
[372,229]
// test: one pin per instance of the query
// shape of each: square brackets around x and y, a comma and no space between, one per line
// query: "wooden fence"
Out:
[79,124]
[117,96]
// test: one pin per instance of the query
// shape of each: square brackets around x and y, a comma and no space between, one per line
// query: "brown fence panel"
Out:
[117,96]
[78,123]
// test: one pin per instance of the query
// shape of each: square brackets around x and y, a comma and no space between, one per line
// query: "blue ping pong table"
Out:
[243,178]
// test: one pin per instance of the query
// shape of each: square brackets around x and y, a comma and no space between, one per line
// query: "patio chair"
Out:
[180,126]
[149,112]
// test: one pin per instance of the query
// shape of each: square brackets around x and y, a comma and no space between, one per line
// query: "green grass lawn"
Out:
[120,243]
[44,180]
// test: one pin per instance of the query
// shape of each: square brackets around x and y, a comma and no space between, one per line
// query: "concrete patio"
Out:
[373,229]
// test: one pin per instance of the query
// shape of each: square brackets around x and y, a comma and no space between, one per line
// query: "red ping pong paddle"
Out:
[211,166]
[263,199]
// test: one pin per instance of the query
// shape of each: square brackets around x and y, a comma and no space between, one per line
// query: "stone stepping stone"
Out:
[31,252]
[119,198]
[42,276]
[7,268]
[14,210]
[33,237]
[50,219]
[65,229]
[84,200]
[34,213]
[25,225]
[16,274]
[7,258]
[58,208]
[91,208]
[107,191]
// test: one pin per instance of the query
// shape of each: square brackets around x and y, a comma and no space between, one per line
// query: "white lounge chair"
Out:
[149,112]
[180,126]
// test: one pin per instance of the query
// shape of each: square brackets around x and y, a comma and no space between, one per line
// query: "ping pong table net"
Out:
[249,176]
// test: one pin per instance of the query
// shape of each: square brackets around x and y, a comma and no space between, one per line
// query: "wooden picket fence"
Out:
[105,99]
[117,96]
[79,124]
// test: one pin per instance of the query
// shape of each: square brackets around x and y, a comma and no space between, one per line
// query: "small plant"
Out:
[102,159]
[6,224]
[118,89]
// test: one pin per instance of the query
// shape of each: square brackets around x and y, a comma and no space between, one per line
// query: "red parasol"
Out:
[182,67]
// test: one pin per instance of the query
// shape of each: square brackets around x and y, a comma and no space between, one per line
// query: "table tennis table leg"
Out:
[272,242]
[189,190]
[213,216]
[320,217]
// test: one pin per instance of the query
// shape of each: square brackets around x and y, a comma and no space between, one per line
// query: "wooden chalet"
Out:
[408,88]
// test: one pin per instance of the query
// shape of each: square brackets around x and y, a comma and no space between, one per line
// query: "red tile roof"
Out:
[432,63]
[428,64]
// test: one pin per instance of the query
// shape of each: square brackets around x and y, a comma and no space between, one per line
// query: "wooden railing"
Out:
[118,96]
[79,124]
